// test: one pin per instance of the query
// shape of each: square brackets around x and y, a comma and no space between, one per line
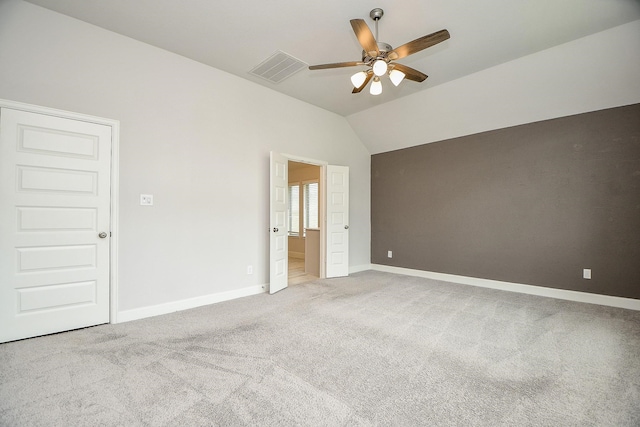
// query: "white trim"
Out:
[186,304]
[115,215]
[611,301]
[115,180]
[299,159]
[359,268]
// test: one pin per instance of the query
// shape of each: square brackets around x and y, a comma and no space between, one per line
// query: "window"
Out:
[311,205]
[307,202]
[294,209]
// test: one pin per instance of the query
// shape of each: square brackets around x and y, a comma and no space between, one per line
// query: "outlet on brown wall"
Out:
[533,204]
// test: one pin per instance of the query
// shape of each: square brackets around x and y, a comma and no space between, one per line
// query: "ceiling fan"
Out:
[380,56]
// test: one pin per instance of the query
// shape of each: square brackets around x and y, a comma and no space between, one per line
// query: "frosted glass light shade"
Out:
[379,67]
[358,78]
[396,76]
[376,86]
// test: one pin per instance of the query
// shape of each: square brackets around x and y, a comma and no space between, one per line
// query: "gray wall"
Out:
[531,204]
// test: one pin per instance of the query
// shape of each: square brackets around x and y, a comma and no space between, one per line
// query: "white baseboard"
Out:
[359,268]
[297,255]
[185,304]
[620,302]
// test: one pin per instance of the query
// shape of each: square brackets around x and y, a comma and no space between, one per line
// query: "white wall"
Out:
[196,138]
[589,74]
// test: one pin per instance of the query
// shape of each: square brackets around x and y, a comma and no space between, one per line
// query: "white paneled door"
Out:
[337,218]
[278,230]
[54,224]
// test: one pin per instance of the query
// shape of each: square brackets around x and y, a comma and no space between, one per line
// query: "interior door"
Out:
[337,218]
[278,230]
[54,224]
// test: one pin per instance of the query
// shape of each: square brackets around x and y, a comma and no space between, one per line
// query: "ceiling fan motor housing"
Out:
[383,47]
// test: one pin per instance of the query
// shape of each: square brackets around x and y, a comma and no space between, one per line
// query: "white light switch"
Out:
[146,200]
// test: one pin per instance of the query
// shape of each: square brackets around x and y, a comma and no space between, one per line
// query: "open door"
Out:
[278,230]
[337,220]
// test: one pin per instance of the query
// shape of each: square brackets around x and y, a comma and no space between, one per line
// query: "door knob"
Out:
[275,230]
[102,235]
[346,227]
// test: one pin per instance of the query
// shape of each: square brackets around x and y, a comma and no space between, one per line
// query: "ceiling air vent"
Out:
[278,67]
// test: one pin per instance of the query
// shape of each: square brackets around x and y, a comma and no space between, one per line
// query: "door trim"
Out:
[115,167]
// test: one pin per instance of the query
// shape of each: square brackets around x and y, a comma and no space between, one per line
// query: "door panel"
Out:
[40,298]
[49,180]
[54,201]
[278,230]
[337,258]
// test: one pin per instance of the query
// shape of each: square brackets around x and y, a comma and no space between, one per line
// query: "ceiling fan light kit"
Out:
[380,56]
[376,86]
[379,67]
[396,76]
[358,78]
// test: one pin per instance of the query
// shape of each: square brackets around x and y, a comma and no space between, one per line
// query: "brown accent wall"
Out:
[531,204]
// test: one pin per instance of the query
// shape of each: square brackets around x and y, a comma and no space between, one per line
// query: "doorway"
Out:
[333,219]
[304,222]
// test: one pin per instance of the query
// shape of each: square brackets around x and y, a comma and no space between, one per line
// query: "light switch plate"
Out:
[146,200]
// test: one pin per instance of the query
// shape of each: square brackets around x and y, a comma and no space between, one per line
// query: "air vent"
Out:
[278,67]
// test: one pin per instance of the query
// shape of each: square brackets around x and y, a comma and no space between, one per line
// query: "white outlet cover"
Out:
[146,200]
[389,254]
[586,273]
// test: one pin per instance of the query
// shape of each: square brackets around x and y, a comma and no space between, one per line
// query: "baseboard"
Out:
[171,307]
[297,255]
[611,301]
[359,268]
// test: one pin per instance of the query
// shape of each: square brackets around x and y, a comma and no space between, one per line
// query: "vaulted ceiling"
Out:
[237,36]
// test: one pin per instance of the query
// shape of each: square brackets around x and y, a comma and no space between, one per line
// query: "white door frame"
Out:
[322,208]
[115,139]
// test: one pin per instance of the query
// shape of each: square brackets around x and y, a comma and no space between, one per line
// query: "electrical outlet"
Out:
[146,200]
[390,254]
[250,269]
[586,273]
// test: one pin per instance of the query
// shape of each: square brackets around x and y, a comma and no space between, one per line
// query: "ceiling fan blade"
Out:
[335,65]
[419,44]
[366,80]
[410,73]
[365,37]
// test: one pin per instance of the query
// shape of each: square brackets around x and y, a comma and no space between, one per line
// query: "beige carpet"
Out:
[370,349]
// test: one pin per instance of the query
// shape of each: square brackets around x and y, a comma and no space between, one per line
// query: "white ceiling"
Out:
[237,36]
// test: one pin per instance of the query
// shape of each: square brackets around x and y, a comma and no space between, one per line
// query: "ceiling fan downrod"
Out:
[376,14]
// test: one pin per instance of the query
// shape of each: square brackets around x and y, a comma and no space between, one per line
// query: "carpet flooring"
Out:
[367,350]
